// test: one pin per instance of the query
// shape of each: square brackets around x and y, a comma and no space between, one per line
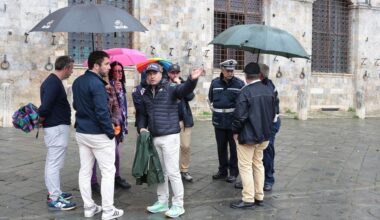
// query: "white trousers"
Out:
[56,140]
[168,151]
[101,148]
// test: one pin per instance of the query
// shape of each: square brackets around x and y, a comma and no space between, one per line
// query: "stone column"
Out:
[6,99]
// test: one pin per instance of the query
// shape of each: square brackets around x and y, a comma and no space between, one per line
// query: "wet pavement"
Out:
[325,169]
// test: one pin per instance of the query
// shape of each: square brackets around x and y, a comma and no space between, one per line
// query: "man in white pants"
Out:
[95,135]
[55,114]
[159,114]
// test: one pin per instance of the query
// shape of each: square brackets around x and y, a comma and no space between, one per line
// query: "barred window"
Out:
[80,44]
[330,36]
[228,13]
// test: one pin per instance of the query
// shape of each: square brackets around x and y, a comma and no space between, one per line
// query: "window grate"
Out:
[80,44]
[233,12]
[330,39]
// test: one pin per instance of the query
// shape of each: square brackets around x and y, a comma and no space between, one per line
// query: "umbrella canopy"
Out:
[163,62]
[125,56]
[89,18]
[257,38]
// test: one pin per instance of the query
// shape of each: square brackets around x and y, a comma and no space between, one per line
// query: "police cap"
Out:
[229,64]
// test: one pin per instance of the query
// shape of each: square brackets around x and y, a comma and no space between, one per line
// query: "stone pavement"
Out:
[325,169]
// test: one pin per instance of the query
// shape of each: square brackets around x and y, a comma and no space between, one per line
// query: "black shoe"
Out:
[186,176]
[267,187]
[239,185]
[219,176]
[231,179]
[95,188]
[122,183]
[242,205]
[259,202]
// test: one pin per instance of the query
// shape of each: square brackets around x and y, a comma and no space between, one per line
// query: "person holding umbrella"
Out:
[222,96]
[159,116]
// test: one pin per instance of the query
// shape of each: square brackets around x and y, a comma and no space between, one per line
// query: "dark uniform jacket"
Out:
[254,114]
[223,95]
[90,102]
[159,109]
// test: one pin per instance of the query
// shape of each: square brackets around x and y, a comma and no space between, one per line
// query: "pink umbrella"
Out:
[125,56]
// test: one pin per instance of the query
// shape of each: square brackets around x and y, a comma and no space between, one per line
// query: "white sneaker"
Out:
[91,211]
[112,214]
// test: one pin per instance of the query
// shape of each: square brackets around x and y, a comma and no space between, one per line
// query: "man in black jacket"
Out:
[159,114]
[253,119]
[185,122]
[95,135]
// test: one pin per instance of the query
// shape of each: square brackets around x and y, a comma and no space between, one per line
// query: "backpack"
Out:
[26,118]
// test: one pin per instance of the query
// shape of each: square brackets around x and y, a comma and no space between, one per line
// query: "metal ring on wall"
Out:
[279,73]
[4,65]
[49,66]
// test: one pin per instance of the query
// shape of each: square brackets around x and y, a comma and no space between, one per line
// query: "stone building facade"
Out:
[181,31]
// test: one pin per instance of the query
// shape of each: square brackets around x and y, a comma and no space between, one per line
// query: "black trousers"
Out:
[224,138]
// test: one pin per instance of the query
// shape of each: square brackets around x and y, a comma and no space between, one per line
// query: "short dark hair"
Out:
[252,76]
[63,61]
[96,57]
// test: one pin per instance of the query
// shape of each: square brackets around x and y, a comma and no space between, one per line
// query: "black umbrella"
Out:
[89,18]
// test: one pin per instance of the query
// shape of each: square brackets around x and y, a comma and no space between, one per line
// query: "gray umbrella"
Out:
[258,38]
[89,18]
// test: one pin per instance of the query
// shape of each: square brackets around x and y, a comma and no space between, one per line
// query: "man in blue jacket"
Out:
[159,115]
[95,135]
[55,114]
[251,126]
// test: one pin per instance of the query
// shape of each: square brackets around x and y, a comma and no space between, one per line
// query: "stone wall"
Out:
[188,28]
[19,84]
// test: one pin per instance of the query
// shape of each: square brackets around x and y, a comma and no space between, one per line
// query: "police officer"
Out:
[222,95]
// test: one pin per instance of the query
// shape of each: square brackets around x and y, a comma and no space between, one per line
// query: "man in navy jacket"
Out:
[55,113]
[95,135]
[159,115]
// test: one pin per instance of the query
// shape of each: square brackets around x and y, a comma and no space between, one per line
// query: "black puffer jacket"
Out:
[254,114]
[159,112]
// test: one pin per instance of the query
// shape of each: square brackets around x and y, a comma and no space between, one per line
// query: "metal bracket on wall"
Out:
[302,74]
[275,59]
[53,41]
[188,51]
[363,61]
[152,50]
[377,62]
[26,37]
[171,50]
[206,51]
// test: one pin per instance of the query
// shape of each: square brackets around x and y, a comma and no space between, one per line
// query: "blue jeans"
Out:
[269,152]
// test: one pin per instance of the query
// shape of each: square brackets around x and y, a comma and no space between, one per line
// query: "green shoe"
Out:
[158,207]
[175,211]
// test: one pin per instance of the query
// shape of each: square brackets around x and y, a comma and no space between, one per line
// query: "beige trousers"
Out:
[251,168]
[185,137]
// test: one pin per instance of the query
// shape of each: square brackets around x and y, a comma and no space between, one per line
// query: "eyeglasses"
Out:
[173,72]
